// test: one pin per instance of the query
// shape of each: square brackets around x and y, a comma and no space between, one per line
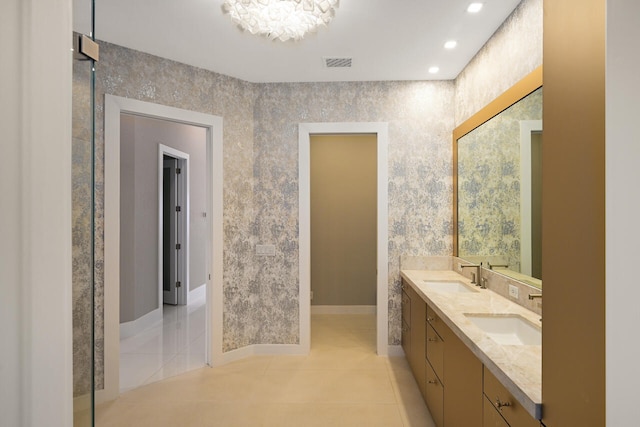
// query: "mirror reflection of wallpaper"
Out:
[489,185]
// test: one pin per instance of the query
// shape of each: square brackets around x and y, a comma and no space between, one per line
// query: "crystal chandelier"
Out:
[280,19]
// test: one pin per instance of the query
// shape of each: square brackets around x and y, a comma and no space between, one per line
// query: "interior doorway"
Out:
[211,220]
[343,223]
[174,231]
[380,130]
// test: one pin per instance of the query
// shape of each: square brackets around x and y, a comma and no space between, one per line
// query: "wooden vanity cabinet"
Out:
[504,404]
[458,389]
[456,401]
[413,334]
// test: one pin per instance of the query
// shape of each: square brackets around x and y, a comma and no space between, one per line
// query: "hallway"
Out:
[171,347]
[341,383]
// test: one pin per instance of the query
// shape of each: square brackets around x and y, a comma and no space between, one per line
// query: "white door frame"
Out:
[183,226]
[305,130]
[114,106]
[526,128]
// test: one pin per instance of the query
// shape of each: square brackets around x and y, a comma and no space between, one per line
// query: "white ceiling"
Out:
[387,39]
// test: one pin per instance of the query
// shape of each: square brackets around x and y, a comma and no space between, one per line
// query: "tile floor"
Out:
[340,383]
[171,347]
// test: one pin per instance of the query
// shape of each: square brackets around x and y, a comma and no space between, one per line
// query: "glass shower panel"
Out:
[83,218]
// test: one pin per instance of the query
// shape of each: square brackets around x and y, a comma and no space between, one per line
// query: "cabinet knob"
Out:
[500,404]
[430,319]
[434,382]
[432,339]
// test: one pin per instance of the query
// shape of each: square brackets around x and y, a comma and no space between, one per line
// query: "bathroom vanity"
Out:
[476,356]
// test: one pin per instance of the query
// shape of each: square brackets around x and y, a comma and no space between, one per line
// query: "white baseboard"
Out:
[199,292]
[129,329]
[395,351]
[343,309]
[262,350]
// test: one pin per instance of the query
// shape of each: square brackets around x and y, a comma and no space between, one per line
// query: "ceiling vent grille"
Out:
[337,62]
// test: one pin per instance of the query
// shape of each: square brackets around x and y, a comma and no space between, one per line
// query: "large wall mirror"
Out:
[498,183]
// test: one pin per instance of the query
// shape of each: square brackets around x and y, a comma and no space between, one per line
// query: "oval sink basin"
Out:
[507,329]
[446,286]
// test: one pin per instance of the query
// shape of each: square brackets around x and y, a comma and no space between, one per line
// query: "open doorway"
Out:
[163,246]
[380,131]
[208,218]
[174,233]
[343,238]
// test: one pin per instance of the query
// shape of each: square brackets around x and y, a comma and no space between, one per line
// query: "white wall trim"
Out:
[129,329]
[199,292]
[36,354]
[261,350]
[114,106]
[526,127]
[305,130]
[343,309]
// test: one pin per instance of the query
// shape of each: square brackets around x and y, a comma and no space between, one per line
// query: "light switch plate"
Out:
[513,291]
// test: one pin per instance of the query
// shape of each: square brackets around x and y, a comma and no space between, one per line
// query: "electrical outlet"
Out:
[513,291]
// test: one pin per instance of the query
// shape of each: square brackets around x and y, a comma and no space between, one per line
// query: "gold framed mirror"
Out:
[497,183]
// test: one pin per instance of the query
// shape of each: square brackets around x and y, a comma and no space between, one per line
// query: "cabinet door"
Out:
[434,395]
[463,383]
[406,339]
[418,314]
[491,417]
[435,351]
[406,321]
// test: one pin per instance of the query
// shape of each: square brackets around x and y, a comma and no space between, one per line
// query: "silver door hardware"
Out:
[85,48]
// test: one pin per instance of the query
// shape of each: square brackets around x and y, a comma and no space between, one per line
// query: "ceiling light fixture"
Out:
[474,7]
[280,19]
[450,44]
[434,70]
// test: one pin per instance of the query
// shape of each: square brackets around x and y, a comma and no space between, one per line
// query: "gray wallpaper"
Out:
[514,50]
[420,116]
[260,164]
[489,185]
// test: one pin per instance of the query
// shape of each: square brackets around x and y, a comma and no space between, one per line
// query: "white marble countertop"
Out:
[518,367]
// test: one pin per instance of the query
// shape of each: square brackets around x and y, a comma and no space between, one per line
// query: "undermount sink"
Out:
[446,286]
[507,329]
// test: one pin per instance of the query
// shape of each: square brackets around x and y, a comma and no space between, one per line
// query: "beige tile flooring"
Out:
[340,383]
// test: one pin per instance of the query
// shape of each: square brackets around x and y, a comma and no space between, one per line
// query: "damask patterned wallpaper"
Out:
[514,50]
[489,185]
[260,164]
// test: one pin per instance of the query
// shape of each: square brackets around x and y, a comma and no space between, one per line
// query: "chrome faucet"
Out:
[476,278]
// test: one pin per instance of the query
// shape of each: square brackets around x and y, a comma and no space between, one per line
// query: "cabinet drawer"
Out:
[406,304]
[434,320]
[505,403]
[434,395]
[435,351]
[490,415]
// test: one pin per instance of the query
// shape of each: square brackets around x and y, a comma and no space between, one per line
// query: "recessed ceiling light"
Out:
[450,44]
[474,7]
[434,70]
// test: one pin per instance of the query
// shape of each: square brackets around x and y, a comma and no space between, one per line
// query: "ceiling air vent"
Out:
[337,62]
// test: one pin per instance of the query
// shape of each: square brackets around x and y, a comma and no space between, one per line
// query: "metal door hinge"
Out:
[178,246]
[178,284]
[178,209]
[178,171]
